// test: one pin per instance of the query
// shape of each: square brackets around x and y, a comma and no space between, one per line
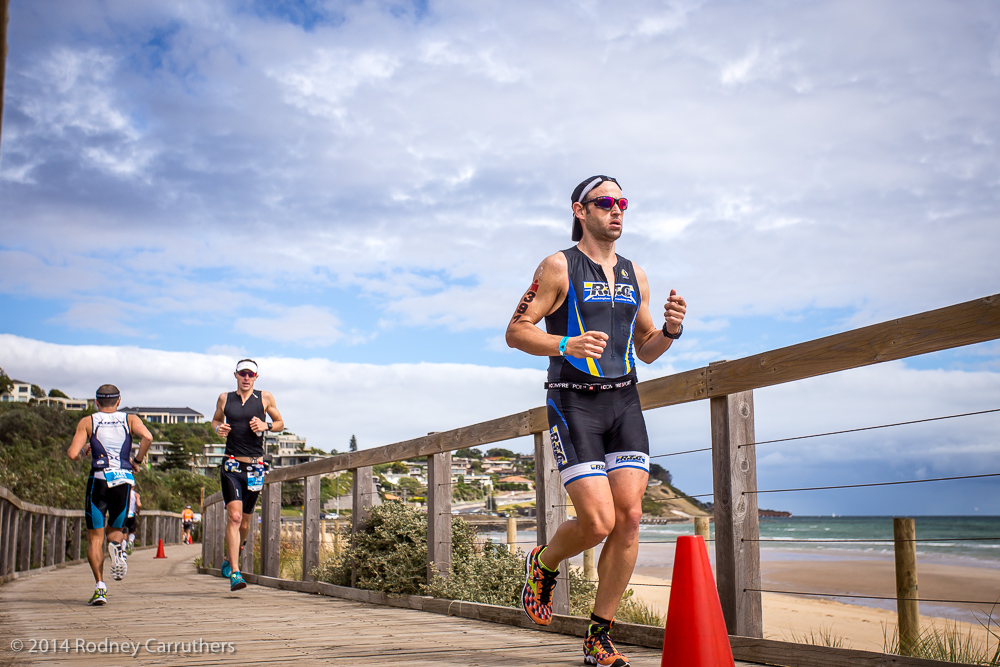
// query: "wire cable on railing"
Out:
[866,597]
[857,486]
[869,428]
[688,451]
[875,540]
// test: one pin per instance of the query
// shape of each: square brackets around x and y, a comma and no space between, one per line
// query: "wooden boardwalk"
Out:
[165,600]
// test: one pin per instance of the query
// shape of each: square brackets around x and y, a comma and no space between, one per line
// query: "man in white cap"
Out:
[595,304]
[241,416]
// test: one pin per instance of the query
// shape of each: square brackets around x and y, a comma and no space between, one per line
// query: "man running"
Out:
[187,518]
[108,433]
[240,416]
[597,322]
[132,522]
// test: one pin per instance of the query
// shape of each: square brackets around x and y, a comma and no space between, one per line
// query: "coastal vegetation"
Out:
[34,465]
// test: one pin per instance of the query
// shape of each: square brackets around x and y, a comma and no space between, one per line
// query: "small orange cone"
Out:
[159,550]
[695,635]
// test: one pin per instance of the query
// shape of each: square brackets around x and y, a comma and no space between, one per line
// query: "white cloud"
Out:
[328,401]
[308,325]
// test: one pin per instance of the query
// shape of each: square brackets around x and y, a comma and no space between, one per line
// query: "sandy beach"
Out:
[860,624]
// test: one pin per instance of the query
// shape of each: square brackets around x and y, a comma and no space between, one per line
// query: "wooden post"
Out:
[156,531]
[438,515]
[77,535]
[60,552]
[206,525]
[7,511]
[24,555]
[50,539]
[363,496]
[737,528]
[7,514]
[38,539]
[220,519]
[590,564]
[270,534]
[512,533]
[336,538]
[701,526]
[310,528]
[246,560]
[550,511]
[904,535]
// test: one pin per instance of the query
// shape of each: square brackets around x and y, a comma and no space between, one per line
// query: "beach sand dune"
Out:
[858,624]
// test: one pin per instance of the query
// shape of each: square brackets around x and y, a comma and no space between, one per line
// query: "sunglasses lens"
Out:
[623,203]
[247,374]
[605,202]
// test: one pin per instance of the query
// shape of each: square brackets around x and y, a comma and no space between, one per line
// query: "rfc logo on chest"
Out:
[557,447]
[594,291]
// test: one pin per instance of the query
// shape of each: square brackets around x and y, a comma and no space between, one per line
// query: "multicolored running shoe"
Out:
[536,596]
[227,569]
[236,582]
[598,649]
[99,598]
[119,564]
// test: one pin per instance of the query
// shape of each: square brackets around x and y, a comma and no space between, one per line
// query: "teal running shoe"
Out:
[236,582]
[227,569]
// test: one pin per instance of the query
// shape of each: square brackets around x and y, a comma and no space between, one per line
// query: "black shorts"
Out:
[103,500]
[188,525]
[595,432]
[235,486]
[130,524]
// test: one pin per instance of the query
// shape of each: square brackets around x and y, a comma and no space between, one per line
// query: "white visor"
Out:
[246,365]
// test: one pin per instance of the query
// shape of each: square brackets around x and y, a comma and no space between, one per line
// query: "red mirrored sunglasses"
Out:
[246,374]
[607,203]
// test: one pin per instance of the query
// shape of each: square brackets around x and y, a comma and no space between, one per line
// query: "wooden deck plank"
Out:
[166,600]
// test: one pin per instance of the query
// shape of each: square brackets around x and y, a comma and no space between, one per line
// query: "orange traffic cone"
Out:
[695,635]
[159,550]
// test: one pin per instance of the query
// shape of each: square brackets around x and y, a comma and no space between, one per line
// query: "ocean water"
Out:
[957,540]
[968,540]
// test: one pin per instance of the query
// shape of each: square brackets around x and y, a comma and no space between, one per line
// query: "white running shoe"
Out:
[100,597]
[119,564]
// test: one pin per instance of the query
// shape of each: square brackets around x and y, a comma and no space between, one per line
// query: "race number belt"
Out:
[590,386]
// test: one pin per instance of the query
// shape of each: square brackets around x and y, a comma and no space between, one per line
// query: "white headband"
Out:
[590,186]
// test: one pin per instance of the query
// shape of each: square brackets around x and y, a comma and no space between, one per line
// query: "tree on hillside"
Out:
[500,451]
[353,445]
[177,458]
[657,471]
[6,384]
[55,393]
[37,392]
[469,453]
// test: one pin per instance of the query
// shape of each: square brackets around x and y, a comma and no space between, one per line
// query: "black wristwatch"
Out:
[670,335]
[269,427]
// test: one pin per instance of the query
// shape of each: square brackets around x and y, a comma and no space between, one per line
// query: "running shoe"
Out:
[236,582]
[536,596]
[99,598]
[119,564]
[227,569]
[598,649]
[129,547]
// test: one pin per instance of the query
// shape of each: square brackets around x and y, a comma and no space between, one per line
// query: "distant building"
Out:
[167,415]
[20,392]
[157,453]
[64,403]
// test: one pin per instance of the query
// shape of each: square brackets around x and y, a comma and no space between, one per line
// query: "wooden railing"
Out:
[35,538]
[727,385]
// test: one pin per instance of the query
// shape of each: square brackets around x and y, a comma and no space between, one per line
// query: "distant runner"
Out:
[187,517]
[134,506]
[595,304]
[240,416]
[108,433]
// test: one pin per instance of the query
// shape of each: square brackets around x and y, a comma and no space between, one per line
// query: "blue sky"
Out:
[357,193]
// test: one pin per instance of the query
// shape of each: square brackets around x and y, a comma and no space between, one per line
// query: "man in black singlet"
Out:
[241,416]
[597,322]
